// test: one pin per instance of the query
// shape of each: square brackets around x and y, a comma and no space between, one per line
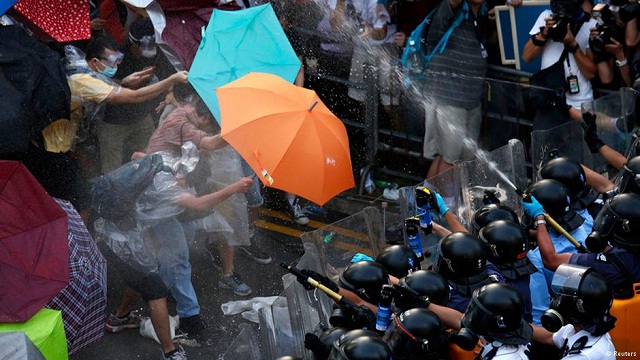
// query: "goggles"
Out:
[112,60]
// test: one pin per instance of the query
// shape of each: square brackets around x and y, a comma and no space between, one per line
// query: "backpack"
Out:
[114,195]
[415,59]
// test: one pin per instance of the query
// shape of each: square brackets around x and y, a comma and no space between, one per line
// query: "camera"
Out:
[606,28]
[562,11]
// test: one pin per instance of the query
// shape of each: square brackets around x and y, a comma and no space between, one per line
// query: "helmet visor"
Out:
[403,344]
[606,221]
[627,180]
[567,278]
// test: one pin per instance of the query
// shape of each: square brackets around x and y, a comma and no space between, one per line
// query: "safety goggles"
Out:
[147,42]
[112,60]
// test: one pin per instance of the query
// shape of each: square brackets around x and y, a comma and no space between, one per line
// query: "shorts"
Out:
[448,131]
[254,194]
[149,285]
[383,58]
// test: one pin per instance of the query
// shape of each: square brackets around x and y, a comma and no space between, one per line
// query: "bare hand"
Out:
[569,38]
[180,77]
[615,48]
[135,80]
[243,185]
[400,39]
[98,24]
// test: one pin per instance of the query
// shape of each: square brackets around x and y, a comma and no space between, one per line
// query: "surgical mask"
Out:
[109,71]
[149,53]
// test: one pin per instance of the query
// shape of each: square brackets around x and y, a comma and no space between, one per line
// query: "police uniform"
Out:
[602,263]
[459,301]
[498,351]
[541,279]
[582,345]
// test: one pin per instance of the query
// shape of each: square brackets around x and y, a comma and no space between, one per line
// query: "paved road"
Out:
[278,235]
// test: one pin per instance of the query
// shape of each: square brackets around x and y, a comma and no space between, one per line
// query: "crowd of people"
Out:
[130,101]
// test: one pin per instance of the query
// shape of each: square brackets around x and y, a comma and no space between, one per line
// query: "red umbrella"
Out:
[34,257]
[60,20]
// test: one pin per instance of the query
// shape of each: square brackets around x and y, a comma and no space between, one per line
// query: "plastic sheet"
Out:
[567,139]
[131,246]
[248,308]
[147,330]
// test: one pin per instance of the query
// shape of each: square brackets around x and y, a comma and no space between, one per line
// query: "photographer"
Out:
[563,32]
[606,43]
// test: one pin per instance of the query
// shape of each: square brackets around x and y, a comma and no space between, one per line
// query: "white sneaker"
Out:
[299,217]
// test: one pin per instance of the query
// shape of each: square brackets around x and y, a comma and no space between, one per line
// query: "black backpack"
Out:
[114,195]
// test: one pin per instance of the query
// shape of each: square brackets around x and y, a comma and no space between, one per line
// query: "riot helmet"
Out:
[629,178]
[553,196]
[570,173]
[461,255]
[360,345]
[325,341]
[415,334]
[489,213]
[506,240]
[399,260]
[617,223]
[365,279]
[582,297]
[496,313]
[425,284]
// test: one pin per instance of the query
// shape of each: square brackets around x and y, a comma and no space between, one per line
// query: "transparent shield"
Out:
[497,172]
[566,139]
[276,336]
[244,346]
[615,118]
[309,310]
[361,232]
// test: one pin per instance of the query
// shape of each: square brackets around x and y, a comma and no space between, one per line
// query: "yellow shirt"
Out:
[59,136]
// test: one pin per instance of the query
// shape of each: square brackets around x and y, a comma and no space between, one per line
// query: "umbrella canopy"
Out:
[17,346]
[5,5]
[58,20]
[34,258]
[287,135]
[236,43]
[84,300]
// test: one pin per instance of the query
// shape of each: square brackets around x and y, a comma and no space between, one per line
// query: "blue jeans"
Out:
[175,269]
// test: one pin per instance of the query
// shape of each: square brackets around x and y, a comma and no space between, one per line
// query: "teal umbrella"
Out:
[236,43]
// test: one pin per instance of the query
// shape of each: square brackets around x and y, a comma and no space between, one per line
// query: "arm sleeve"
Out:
[84,87]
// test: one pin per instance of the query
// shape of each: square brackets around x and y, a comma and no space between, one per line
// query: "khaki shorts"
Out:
[448,131]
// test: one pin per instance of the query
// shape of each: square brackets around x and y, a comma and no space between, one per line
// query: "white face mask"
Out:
[149,53]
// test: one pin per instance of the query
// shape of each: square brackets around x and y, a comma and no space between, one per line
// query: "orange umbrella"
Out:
[287,135]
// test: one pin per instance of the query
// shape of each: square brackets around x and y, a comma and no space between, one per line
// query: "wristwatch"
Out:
[621,63]
[539,222]
[573,49]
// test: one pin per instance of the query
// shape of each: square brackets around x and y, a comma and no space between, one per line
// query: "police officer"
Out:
[508,245]
[556,201]
[490,213]
[321,345]
[360,345]
[399,260]
[614,243]
[578,320]
[495,314]
[421,285]
[462,260]
[416,334]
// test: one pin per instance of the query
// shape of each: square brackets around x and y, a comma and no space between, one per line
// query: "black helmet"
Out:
[492,212]
[569,172]
[365,279]
[399,260]
[506,240]
[553,196]
[582,297]
[629,178]
[360,345]
[461,255]
[322,347]
[415,334]
[618,223]
[496,313]
[425,284]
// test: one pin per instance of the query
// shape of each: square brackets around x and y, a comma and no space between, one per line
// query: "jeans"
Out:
[175,269]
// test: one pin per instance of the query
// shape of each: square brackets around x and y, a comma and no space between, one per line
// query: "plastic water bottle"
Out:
[414,58]
[412,229]
[424,199]
[384,309]
[369,183]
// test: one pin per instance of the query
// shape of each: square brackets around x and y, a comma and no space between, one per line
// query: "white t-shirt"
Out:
[506,352]
[596,348]
[552,51]
[375,15]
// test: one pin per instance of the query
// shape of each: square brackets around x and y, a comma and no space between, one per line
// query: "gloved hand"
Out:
[364,318]
[532,207]
[442,207]
[312,342]
[405,300]
[591,132]
[319,278]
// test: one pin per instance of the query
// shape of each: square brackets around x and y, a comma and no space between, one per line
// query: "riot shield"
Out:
[615,120]
[566,140]
[361,232]
[497,173]
[244,346]
[276,335]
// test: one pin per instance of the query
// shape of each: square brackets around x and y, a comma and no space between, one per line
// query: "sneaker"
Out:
[192,324]
[233,282]
[299,217]
[254,253]
[177,354]
[115,324]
